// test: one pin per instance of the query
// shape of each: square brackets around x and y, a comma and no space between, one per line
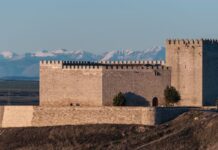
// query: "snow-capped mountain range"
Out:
[27,64]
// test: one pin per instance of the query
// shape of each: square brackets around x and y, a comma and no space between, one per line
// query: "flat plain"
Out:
[19,92]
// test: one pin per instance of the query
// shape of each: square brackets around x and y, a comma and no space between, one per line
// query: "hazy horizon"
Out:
[98,26]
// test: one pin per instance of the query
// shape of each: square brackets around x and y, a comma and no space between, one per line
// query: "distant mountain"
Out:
[7,55]
[27,65]
[156,53]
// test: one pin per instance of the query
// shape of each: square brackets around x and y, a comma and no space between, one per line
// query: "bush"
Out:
[119,99]
[171,95]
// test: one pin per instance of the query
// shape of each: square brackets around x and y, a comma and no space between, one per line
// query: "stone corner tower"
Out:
[194,70]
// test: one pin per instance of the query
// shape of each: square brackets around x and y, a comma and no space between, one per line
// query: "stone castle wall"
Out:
[194,70]
[1,115]
[53,116]
[140,85]
[210,72]
[185,58]
[63,84]
[16,116]
[27,116]
[164,114]
[92,115]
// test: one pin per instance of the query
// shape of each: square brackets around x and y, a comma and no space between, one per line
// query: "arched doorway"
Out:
[155,102]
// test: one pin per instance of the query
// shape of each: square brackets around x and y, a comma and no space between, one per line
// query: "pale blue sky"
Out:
[102,25]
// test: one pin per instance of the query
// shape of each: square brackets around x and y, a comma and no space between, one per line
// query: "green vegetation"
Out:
[171,95]
[119,99]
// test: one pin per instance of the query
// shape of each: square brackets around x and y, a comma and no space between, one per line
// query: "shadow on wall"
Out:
[133,99]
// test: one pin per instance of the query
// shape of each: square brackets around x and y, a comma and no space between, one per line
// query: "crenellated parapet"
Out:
[67,65]
[133,67]
[184,41]
[81,67]
[51,62]
[210,41]
[152,62]
[181,42]
[118,67]
[115,67]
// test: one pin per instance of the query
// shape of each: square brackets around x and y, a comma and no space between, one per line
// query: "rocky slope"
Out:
[192,130]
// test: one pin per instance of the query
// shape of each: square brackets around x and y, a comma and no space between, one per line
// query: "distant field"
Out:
[19,92]
[19,85]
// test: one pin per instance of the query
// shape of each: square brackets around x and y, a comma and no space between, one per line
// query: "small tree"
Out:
[119,99]
[171,95]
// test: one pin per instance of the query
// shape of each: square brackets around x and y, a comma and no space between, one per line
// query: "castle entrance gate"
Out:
[155,102]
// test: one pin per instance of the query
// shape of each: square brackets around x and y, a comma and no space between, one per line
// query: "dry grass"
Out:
[192,130]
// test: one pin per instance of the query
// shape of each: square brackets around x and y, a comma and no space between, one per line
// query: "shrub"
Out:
[171,95]
[119,99]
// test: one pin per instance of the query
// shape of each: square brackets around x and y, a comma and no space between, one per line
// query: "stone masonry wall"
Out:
[96,85]
[92,115]
[140,85]
[185,58]
[16,116]
[24,116]
[164,114]
[1,115]
[210,72]
[64,86]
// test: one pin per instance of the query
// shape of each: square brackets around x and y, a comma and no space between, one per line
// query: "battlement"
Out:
[210,41]
[117,67]
[183,41]
[104,64]
[50,62]
[191,41]
[152,62]
[88,63]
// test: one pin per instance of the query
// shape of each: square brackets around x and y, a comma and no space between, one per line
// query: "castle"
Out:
[95,84]
[191,67]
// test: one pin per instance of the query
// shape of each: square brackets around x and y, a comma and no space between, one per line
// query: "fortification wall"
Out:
[63,85]
[140,84]
[145,62]
[25,116]
[164,114]
[92,115]
[16,116]
[210,72]
[1,115]
[185,58]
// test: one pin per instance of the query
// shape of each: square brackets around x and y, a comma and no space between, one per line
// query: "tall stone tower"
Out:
[194,70]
